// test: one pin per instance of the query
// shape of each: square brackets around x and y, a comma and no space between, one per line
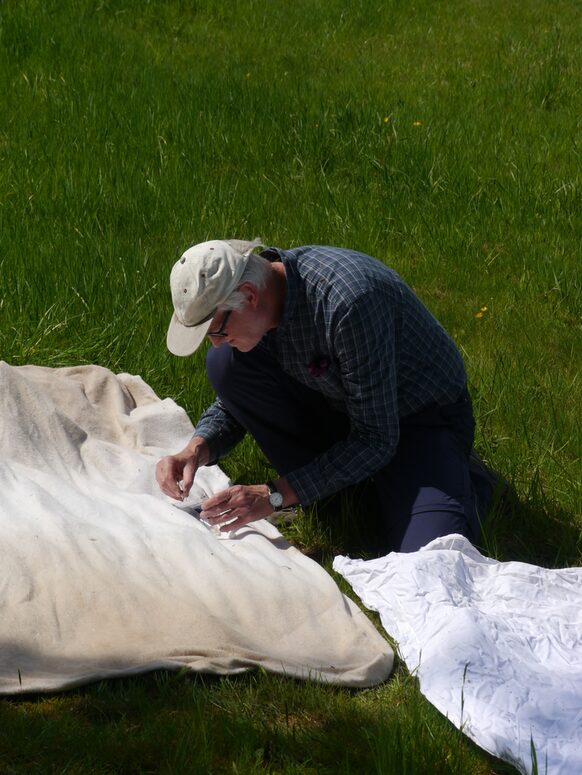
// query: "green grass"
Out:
[252,724]
[443,138]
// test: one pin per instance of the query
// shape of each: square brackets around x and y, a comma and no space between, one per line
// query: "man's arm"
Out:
[220,430]
[216,433]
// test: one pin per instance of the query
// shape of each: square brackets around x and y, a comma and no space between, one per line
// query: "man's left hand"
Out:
[237,506]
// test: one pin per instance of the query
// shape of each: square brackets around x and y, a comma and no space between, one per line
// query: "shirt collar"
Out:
[292,287]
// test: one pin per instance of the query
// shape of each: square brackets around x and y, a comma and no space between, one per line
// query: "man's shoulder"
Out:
[329,254]
[348,272]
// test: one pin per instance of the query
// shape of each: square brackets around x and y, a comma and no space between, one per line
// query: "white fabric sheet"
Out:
[497,647]
[101,575]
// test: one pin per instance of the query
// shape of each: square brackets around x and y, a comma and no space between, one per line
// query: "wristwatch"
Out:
[275,497]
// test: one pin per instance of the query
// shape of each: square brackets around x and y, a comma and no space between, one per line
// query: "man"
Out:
[329,360]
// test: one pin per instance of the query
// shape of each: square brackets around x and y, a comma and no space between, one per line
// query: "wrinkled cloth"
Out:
[496,646]
[101,575]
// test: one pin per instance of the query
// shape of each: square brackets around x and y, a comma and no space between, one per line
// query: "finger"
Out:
[168,482]
[173,490]
[161,474]
[163,478]
[216,503]
[220,518]
[236,524]
[188,477]
[230,519]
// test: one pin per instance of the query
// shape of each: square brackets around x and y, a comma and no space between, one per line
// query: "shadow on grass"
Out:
[536,531]
[253,723]
[348,522]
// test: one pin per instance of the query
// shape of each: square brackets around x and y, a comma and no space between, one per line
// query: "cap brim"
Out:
[184,340]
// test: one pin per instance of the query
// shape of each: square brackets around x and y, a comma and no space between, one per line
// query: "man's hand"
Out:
[241,504]
[175,473]
[237,506]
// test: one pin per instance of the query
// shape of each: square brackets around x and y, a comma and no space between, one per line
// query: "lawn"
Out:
[443,138]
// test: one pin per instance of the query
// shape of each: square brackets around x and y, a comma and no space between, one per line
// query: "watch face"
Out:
[276,500]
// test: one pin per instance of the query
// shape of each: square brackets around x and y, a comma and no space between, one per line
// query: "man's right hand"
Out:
[175,473]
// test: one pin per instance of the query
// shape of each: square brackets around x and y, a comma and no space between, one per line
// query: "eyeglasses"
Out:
[221,332]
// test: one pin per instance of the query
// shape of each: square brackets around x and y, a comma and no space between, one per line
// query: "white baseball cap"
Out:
[200,281]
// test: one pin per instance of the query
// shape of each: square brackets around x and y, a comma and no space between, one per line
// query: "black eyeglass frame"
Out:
[221,332]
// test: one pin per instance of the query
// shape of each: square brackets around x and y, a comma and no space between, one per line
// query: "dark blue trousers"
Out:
[424,492]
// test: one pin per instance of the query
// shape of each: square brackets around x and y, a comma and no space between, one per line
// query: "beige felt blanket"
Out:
[101,575]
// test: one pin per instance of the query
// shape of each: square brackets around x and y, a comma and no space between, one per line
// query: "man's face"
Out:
[240,328]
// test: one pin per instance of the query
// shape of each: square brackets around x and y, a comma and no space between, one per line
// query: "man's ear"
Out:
[251,293]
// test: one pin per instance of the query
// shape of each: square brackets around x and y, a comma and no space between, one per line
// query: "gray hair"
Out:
[255,273]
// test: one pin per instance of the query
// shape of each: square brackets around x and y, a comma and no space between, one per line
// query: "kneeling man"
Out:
[340,373]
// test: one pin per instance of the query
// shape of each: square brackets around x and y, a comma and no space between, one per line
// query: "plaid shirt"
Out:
[353,330]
